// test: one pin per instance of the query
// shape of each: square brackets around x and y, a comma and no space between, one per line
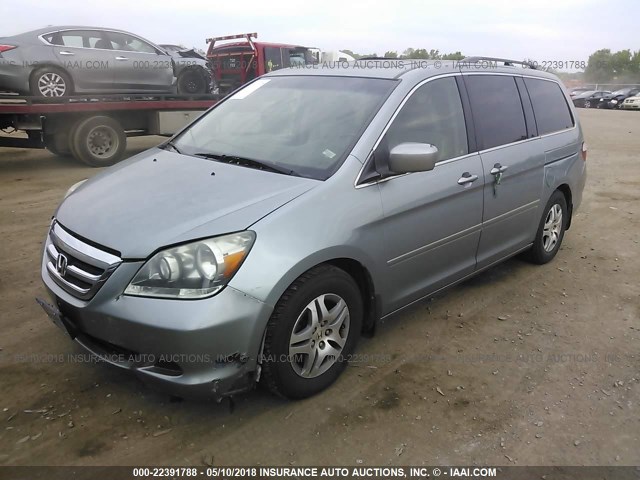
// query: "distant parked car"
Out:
[615,99]
[589,99]
[631,103]
[62,61]
[192,69]
[573,92]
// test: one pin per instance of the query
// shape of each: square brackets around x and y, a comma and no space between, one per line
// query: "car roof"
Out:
[55,28]
[411,69]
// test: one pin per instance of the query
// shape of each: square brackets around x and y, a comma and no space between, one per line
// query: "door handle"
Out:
[122,58]
[64,52]
[497,168]
[467,178]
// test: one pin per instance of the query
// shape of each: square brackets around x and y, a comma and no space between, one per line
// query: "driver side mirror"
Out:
[413,157]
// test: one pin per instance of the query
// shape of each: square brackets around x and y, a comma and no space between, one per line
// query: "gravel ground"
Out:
[523,365]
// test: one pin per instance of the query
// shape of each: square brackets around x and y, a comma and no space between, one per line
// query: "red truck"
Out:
[236,63]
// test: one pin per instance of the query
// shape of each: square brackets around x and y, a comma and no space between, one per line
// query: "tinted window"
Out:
[433,114]
[497,109]
[549,106]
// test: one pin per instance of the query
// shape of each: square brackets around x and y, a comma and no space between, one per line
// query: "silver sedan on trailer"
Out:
[62,61]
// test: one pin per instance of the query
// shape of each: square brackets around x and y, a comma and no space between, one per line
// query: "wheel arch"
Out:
[566,191]
[358,268]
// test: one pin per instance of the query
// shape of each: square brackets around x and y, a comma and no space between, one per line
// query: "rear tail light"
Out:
[5,48]
[584,151]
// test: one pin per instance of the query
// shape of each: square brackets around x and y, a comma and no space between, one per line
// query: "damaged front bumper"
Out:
[204,348]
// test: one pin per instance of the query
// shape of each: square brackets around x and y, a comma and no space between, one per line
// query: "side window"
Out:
[433,114]
[72,39]
[95,39]
[497,109]
[129,43]
[272,58]
[549,106]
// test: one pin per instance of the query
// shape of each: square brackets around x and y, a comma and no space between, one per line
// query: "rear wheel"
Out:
[58,144]
[550,230]
[313,329]
[50,82]
[98,141]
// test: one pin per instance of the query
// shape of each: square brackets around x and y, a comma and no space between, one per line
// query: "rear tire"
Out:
[550,230]
[313,329]
[58,144]
[98,141]
[50,82]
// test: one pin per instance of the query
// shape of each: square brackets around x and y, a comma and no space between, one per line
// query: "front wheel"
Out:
[587,104]
[550,230]
[192,82]
[312,331]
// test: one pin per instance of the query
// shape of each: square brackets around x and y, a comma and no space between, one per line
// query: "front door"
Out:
[139,66]
[432,219]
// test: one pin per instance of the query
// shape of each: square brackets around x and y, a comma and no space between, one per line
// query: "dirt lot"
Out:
[522,365]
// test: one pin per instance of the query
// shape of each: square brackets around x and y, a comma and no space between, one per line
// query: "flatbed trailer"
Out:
[94,128]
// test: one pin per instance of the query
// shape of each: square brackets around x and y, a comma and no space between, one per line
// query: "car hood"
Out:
[161,198]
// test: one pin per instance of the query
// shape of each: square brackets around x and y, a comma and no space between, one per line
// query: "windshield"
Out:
[306,125]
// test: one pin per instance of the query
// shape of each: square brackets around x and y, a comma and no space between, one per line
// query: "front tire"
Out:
[314,328]
[550,230]
[192,82]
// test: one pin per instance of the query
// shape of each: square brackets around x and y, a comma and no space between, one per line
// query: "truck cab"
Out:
[237,63]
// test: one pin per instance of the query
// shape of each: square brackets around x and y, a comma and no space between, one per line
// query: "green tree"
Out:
[391,54]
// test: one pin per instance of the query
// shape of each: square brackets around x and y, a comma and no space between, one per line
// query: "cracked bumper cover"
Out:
[204,348]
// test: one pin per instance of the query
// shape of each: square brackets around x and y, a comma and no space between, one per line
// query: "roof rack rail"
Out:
[505,61]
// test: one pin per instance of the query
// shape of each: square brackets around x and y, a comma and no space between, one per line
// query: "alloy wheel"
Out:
[52,84]
[552,228]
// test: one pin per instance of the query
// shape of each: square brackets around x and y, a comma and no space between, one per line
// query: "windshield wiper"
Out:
[246,162]
[171,145]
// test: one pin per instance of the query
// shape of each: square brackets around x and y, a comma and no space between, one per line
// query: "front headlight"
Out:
[614,101]
[195,270]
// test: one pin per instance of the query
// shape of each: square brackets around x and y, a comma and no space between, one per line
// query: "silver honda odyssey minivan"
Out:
[260,242]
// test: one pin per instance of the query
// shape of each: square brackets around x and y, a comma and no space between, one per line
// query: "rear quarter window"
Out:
[549,106]
[497,109]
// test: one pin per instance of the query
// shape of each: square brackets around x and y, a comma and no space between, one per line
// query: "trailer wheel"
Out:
[58,144]
[98,141]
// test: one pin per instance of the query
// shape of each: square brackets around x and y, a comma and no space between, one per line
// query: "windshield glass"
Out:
[303,124]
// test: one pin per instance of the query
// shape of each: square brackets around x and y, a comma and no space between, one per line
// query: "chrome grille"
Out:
[77,267]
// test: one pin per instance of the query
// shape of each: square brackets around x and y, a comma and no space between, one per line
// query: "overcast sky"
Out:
[540,30]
